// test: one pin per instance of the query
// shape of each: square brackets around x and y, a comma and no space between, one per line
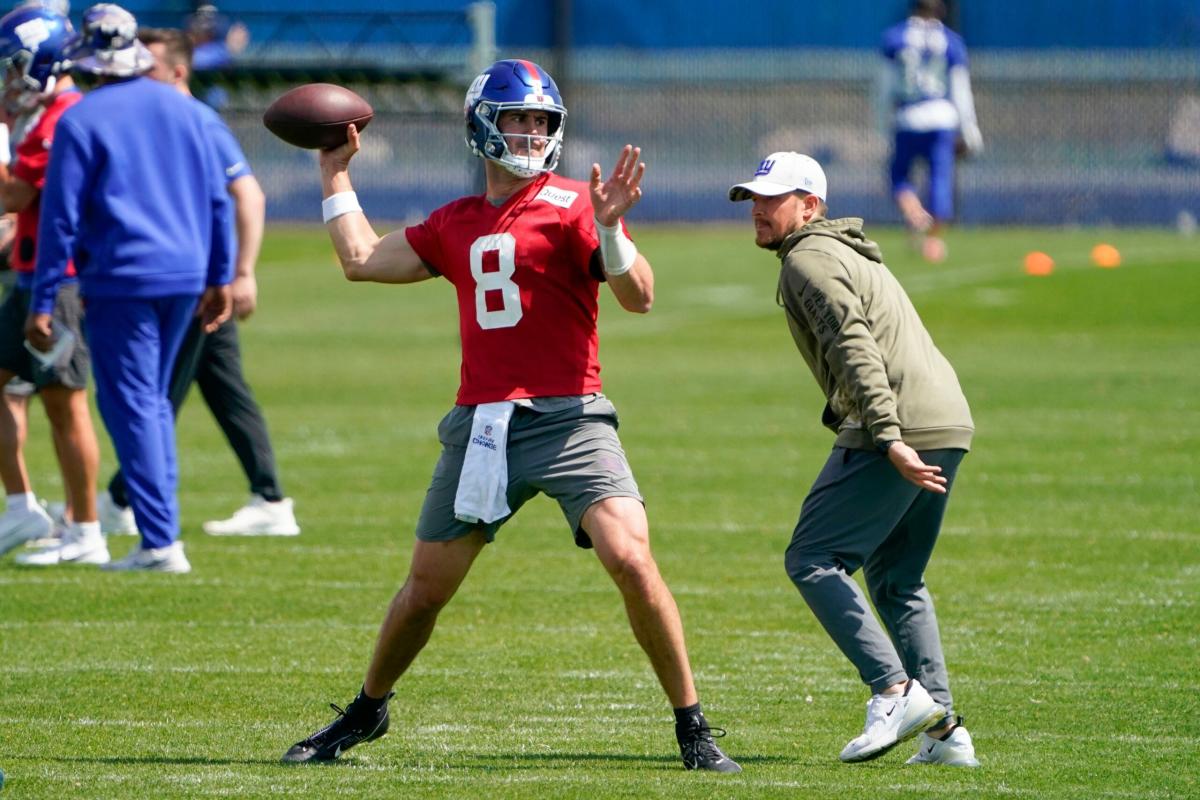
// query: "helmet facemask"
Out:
[519,152]
[22,92]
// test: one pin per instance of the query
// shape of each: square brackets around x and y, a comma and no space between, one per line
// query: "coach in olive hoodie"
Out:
[903,426]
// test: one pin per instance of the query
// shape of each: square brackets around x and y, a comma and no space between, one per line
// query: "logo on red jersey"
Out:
[563,198]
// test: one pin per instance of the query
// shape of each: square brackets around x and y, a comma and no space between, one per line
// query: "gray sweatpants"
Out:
[862,513]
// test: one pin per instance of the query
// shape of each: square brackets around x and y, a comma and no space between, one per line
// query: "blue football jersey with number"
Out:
[922,53]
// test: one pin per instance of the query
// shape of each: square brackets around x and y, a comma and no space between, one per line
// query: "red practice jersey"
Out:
[527,296]
[33,156]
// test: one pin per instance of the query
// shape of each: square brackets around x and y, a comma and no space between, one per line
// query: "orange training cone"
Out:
[1106,256]
[1038,263]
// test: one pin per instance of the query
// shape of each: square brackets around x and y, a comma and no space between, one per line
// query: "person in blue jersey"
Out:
[214,361]
[924,99]
[136,194]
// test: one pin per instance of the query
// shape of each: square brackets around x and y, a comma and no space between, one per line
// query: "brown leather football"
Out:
[315,115]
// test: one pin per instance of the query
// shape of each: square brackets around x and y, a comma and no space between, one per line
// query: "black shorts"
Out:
[71,370]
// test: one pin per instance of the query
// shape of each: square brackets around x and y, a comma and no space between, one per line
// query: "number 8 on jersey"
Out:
[505,248]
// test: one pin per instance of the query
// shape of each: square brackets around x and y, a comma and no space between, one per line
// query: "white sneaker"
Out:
[76,547]
[893,719]
[52,539]
[18,527]
[153,559]
[257,518]
[956,750]
[114,519]
[58,515]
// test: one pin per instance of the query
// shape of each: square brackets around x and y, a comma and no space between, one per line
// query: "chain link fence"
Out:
[1078,137]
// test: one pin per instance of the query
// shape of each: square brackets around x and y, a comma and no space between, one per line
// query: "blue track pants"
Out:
[134,342]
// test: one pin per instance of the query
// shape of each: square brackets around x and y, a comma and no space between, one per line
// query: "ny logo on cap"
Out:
[764,167]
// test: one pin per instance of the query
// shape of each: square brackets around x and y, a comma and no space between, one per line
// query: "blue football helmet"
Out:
[507,86]
[33,42]
[57,6]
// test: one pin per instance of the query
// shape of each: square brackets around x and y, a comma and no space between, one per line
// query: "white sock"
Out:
[24,501]
[87,530]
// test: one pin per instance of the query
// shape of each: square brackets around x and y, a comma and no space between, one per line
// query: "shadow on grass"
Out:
[511,761]
[566,760]
[184,761]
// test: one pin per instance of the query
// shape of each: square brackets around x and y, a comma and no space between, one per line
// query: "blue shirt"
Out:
[232,160]
[922,52]
[134,192]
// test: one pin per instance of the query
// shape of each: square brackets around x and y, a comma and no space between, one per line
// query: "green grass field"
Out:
[1066,581]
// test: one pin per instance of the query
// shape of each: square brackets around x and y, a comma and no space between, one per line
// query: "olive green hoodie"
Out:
[882,375]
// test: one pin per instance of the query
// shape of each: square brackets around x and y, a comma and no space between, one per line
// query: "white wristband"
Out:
[5,145]
[338,204]
[616,251]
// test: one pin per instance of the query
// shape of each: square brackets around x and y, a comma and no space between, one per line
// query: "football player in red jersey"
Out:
[38,90]
[526,260]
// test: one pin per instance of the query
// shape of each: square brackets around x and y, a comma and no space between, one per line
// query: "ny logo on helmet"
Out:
[476,90]
[32,33]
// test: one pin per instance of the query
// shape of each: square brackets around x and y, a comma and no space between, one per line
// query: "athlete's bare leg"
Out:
[78,451]
[620,533]
[12,439]
[915,216]
[933,246]
[438,569]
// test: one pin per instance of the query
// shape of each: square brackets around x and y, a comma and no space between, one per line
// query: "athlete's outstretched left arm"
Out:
[628,272]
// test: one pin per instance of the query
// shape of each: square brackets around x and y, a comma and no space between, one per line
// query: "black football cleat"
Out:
[351,727]
[698,749]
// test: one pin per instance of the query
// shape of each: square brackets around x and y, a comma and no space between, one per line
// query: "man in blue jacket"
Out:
[214,361]
[136,194]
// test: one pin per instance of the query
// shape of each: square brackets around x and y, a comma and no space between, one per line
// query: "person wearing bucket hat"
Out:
[107,44]
[213,361]
[136,193]
[903,426]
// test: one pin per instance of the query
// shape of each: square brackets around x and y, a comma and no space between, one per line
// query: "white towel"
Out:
[64,342]
[483,485]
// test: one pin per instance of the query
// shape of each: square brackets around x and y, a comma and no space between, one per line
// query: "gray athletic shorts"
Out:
[72,369]
[570,451]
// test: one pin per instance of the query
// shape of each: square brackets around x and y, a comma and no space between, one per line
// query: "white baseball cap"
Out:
[780,173]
